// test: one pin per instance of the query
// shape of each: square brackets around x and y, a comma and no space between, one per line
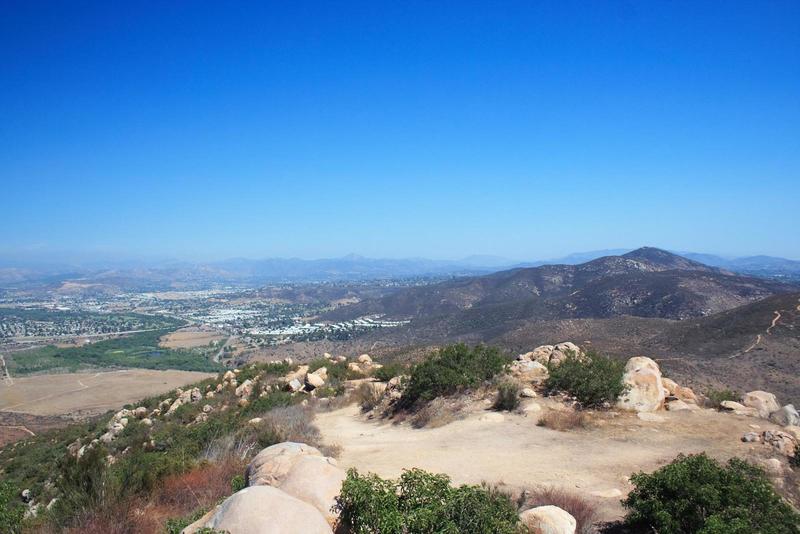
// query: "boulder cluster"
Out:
[646,389]
[290,487]
[765,405]
[533,366]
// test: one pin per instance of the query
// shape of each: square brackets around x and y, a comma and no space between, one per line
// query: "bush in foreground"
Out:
[450,370]
[422,502]
[695,494]
[507,396]
[592,379]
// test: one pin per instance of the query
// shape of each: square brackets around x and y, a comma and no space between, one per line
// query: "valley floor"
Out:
[513,451]
[90,393]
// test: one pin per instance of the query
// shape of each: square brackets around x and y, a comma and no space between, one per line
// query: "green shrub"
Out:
[507,396]
[592,379]
[452,369]
[11,509]
[717,396]
[237,483]
[695,494]
[422,502]
[389,371]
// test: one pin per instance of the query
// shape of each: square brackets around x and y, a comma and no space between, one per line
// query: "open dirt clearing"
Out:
[189,339]
[83,394]
[514,451]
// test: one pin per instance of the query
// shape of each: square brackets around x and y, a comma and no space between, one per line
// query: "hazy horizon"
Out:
[87,260]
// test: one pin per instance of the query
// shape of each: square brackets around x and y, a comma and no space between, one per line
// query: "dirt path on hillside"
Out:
[759,337]
[594,462]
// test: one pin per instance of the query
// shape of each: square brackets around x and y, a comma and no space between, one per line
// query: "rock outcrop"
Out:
[551,354]
[271,465]
[645,391]
[316,480]
[529,371]
[262,510]
[291,487]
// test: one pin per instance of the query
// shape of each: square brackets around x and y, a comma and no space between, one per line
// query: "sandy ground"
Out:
[89,393]
[188,339]
[595,461]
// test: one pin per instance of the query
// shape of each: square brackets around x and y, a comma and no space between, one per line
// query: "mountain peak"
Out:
[665,260]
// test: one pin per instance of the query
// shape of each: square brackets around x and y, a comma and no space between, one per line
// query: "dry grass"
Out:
[368,396]
[563,420]
[438,412]
[289,423]
[584,511]
[178,496]
[292,423]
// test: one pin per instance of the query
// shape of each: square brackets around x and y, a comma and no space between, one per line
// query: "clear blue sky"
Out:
[440,129]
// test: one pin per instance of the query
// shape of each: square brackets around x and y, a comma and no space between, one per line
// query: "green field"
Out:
[135,350]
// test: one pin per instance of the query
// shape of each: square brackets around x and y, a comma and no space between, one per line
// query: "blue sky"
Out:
[522,129]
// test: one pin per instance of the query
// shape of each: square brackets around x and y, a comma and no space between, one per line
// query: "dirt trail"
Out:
[768,331]
[595,462]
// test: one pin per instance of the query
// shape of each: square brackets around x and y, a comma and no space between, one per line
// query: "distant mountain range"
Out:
[647,282]
[133,275]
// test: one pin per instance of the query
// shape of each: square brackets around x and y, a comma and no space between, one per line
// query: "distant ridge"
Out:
[646,282]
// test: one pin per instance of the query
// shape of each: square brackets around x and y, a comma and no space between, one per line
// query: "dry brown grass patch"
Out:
[177,496]
[438,412]
[563,420]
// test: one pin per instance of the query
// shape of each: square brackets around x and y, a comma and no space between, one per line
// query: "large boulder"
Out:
[262,510]
[548,520]
[313,381]
[786,416]
[529,371]
[298,374]
[645,391]
[764,403]
[316,480]
[271,465]
[245,390]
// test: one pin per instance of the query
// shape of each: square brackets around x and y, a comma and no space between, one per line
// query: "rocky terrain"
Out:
[361,422]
